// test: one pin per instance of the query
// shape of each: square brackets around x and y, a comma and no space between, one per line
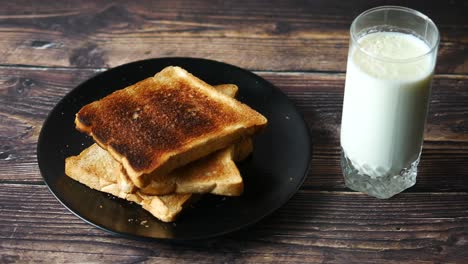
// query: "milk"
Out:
[385,102]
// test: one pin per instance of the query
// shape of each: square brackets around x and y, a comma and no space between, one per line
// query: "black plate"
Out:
[272,174]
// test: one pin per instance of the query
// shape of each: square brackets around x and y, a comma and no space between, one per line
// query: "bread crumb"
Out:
[100,206]
[143,222]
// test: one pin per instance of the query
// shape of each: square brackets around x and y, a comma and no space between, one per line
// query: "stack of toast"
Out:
[164,140]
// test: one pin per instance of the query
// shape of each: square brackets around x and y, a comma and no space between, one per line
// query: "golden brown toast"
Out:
[228,89]
[95,168]
[165,122]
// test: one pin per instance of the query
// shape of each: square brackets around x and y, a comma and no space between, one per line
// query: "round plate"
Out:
[272,174]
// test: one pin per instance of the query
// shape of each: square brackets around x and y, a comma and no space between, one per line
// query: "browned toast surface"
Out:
[166,121]
[215,173]
[167,185]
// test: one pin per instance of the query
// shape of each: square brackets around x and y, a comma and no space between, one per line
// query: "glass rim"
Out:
[432,48]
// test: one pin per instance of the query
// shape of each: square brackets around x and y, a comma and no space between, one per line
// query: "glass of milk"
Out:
[391,62]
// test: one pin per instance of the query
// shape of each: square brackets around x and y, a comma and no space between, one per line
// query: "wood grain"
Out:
[48,47]
[318,226]
[258,35]
[27,95]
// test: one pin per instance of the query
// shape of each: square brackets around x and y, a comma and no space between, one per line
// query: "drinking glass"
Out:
[391,60]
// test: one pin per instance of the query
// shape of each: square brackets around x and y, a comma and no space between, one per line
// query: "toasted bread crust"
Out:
[228,89]
[137,124]
[95,168]
[216,173]
[180,160]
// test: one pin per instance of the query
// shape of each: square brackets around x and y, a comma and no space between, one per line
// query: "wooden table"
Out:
[49,47]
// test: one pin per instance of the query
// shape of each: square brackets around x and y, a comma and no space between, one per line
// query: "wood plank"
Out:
[312,227]
[258,35]
[27,95]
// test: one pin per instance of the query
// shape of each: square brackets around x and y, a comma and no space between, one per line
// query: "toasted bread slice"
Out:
[167,186]
[216,173]
[95,168]
[165,122]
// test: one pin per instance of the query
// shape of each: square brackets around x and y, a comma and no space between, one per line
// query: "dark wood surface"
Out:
[48,47]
